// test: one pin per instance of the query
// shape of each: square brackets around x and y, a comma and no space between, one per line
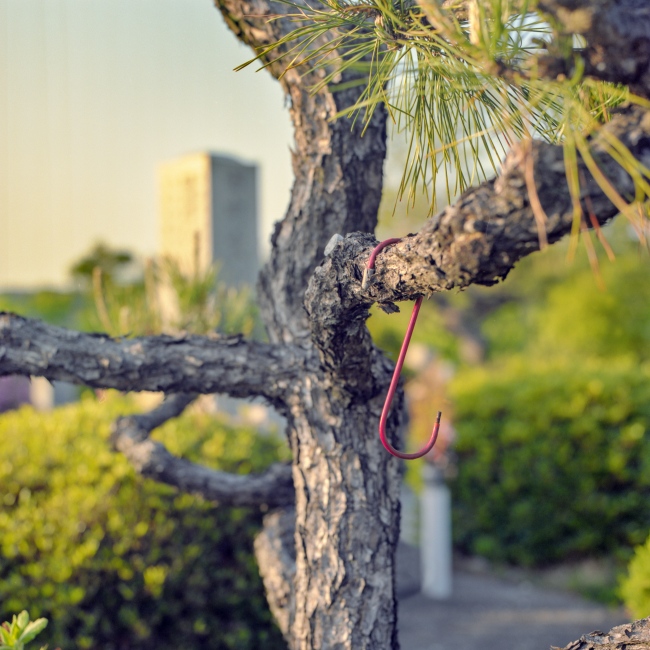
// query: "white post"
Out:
[41,394]
[435,535]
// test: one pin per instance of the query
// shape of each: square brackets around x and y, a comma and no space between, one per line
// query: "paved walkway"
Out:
[488,613]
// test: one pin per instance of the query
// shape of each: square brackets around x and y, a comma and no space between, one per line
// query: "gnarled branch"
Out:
[478,240]
[130,435]
[138,427]
[273,488]
[199,364]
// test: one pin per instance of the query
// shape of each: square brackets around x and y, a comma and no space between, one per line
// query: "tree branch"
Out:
[138,427]
[200,364]
[130,436]
[273,488]
[478,240]
[631,636]
[617,34]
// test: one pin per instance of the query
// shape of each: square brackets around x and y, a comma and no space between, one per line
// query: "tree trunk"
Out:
[346,508]
[347,487]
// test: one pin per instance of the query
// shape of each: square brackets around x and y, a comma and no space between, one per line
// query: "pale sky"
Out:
[94,94]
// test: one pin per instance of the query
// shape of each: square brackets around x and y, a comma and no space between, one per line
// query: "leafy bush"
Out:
[553,459]
[570,315]
[116,561]
[635,587]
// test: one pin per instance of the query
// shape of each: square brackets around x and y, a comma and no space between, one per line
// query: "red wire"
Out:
[396,374]
[378,248]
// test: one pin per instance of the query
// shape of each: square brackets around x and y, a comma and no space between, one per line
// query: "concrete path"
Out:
[488,613]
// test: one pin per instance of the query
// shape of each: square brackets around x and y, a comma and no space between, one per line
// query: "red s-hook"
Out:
[369,271]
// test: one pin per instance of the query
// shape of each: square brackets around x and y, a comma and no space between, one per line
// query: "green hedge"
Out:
[553,459]
[635,587]
[116,561]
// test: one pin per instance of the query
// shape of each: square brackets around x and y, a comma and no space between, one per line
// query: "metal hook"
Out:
[370,267]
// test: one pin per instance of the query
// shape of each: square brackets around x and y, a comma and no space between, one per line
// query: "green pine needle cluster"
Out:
[461,79]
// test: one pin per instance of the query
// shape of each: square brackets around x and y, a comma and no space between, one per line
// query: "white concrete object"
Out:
[410,517]
[435,535]
[45,395]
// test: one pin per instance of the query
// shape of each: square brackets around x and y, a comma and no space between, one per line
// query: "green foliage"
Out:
[121,306]
[553,429]
[635,587]
[55,307]
[130,306]
[20,631]
[204,303]
[388,331]
[553,458]
[461,79]
[116,561]
[553,450]
[556,308]
[110,262]
[197,303]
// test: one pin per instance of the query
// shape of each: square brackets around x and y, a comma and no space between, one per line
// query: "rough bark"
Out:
[634,636]
[617,34]
[338,175]
[200,364]
[479,238]
[345,483]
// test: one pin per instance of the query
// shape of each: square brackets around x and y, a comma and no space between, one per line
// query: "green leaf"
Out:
[34,628]
[8,632]
[23,619]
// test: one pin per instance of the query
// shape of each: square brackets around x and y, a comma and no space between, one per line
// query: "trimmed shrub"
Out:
[635,587]
[116,561]
[553,459]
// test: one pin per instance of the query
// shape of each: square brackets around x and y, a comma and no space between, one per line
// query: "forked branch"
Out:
[272,488]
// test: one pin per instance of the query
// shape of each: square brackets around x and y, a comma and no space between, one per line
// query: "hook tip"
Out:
[367,277]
